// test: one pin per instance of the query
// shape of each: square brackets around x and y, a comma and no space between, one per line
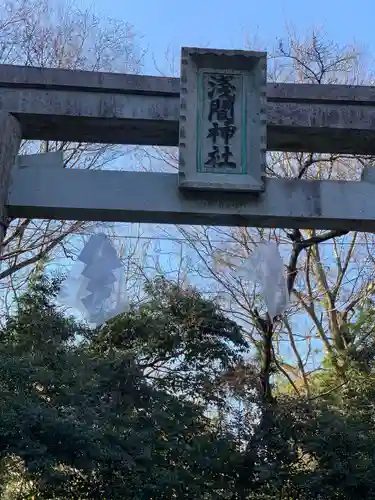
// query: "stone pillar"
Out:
[10,140]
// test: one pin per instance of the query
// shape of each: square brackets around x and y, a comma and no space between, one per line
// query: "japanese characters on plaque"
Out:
[221,123]
[223,120]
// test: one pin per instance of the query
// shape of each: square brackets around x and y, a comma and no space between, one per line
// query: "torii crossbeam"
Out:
[66,105]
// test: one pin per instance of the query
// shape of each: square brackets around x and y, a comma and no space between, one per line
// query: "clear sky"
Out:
[229,24]
[167,24]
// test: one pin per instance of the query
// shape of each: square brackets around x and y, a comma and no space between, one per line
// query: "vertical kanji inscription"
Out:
[221,93]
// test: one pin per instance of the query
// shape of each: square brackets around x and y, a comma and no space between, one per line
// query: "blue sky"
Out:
[221,24]
[167,24]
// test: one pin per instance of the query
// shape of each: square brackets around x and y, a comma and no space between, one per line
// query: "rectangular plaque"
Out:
[223,127]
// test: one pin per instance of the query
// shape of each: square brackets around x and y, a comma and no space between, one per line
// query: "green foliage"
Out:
[181,341]
[86,424]
[141,408]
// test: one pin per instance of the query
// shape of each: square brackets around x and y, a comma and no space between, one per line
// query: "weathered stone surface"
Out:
[10,140]
[222,120]
[61,104]
[115,196]
[64,79]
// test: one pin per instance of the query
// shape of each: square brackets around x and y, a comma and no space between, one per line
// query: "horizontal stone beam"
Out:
[119,83]
[67,105]
[155,198]
[52,159]
[93,81]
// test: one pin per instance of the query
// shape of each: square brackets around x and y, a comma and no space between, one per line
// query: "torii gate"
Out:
[223,116]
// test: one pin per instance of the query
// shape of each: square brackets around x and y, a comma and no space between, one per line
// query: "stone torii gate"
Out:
[223,116]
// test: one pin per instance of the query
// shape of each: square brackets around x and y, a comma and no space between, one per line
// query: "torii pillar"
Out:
[10,141]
